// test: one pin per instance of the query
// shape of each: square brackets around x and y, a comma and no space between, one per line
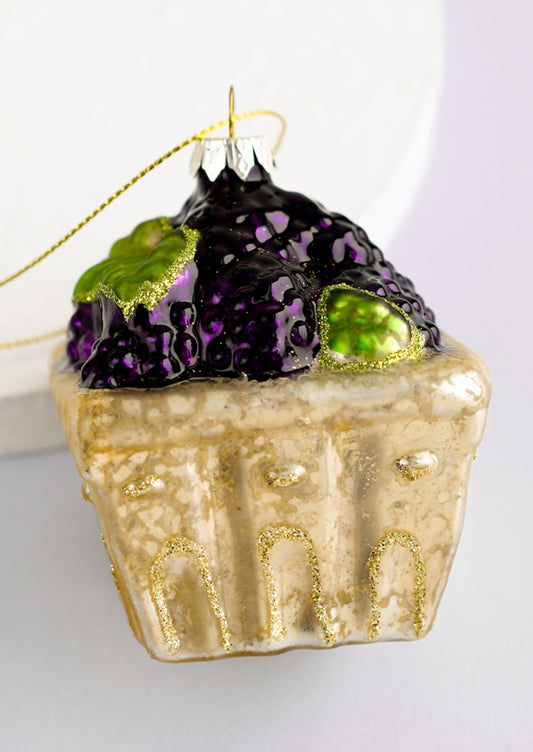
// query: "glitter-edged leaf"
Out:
[140,268]
[360,330]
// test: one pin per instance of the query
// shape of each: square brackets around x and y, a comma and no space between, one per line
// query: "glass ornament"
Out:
[274,433]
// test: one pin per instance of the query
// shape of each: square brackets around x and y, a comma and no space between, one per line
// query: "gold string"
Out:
[197,137]
[31,340]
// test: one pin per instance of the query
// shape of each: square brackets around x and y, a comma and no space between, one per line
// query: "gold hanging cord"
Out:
[231,117]
[230,121]
[32,340]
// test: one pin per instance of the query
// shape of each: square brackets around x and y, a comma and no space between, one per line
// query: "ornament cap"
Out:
[213,155]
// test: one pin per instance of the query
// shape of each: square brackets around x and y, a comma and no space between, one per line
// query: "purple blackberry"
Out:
[256,318]
[84,329]
[153,348]
[246,305]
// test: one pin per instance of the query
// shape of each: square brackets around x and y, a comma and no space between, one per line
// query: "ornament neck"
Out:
[214,155]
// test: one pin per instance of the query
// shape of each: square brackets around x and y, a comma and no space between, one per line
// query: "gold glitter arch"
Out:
[266,541]
[408,541]
[187,546]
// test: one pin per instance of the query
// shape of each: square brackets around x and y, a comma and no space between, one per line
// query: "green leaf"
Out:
[140,268]
[359,329]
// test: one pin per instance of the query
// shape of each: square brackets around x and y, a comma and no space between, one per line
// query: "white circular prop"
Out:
[98,92]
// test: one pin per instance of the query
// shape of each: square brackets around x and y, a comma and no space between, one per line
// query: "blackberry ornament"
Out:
[274,432]
[250,263]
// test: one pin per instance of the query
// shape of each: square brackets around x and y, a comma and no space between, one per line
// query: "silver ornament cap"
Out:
[213,155]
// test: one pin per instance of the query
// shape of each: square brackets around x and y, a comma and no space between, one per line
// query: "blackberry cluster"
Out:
[247,303]
[154,348]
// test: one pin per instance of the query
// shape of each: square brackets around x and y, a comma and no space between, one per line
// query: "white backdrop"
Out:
[73,678]
[93,92]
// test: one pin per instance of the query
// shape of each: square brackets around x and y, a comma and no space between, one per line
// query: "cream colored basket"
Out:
[249,518]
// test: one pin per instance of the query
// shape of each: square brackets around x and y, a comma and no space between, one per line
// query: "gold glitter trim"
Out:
[148,294]
[137,489]
[265,543]
[408,541]
[413,351]
[411,473]
[188,546]
[285,477]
